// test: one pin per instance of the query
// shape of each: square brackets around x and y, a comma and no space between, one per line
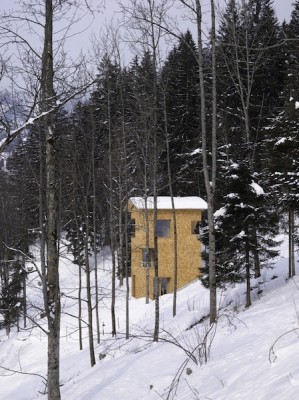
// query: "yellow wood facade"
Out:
[188,247]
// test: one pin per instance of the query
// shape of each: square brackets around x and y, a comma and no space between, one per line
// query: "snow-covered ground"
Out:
[252,352]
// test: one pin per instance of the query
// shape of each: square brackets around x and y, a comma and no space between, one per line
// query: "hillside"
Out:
[240,367]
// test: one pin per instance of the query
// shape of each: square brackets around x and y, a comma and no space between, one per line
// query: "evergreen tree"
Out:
[250,83]
[180,82]
[14,241]
[246,224]
[283,139]
[142,123]
[228,96]
[24,166]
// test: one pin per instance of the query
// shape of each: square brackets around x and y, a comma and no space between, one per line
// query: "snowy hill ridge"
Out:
[251,352]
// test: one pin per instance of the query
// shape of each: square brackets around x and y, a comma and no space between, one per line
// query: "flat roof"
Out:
[164,203]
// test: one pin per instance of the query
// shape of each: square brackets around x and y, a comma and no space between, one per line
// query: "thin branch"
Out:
[36,324]
[14,134]
[23,40]
[25,255]
[24,373]
[272,355]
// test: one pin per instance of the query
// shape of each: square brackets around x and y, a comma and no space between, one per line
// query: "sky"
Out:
[283,9]
[92,27]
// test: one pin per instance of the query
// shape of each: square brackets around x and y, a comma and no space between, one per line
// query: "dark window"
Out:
[132,227]
[163,228]
[195,227]
[148,257]
[164,285]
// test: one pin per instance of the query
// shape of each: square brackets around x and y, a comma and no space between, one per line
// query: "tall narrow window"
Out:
[132,227]
[163,228]
[148,257]
[164,285]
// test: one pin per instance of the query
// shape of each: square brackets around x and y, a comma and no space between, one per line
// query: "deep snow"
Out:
[241,365]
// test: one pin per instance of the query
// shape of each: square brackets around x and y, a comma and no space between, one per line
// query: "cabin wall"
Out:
[189,251]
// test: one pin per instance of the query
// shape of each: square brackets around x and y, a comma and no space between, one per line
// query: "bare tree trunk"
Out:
[80,307]
[111,222]
[79,283]
[156,262]
[6,277]
[175,239]
[247,269]
[147,242]
[126,235]
[210,181]
[88,293]
[291,243]
[95,250]
[42,234]
[24,292]
[120,233]
[113,272]
[153,44]
[53,304]
[127,274]
[257,265]
[53,275]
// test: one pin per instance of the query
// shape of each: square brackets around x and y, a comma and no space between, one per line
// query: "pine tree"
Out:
[14,243]
[181,84]
[250,83]
[283,140]
[246,224]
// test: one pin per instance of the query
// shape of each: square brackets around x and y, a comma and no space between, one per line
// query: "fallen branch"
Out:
[272,355]
[25,373]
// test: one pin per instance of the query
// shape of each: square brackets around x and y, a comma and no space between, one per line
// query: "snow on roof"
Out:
[164,203]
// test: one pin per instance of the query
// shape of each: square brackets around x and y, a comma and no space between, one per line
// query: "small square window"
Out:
[195,227]
[163,228]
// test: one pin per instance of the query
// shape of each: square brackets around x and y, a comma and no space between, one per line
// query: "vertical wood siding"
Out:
[189,249]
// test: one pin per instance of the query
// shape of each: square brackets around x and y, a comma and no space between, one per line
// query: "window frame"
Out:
[151,261]
[163,231]
[132,227]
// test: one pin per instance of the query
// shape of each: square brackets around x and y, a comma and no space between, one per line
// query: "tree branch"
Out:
[14,134]
[24,373]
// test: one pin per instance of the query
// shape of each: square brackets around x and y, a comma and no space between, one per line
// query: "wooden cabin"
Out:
[188,214]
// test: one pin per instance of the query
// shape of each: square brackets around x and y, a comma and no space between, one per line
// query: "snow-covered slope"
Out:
[252,355]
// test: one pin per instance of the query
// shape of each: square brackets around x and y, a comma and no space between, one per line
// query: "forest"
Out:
[216,118]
